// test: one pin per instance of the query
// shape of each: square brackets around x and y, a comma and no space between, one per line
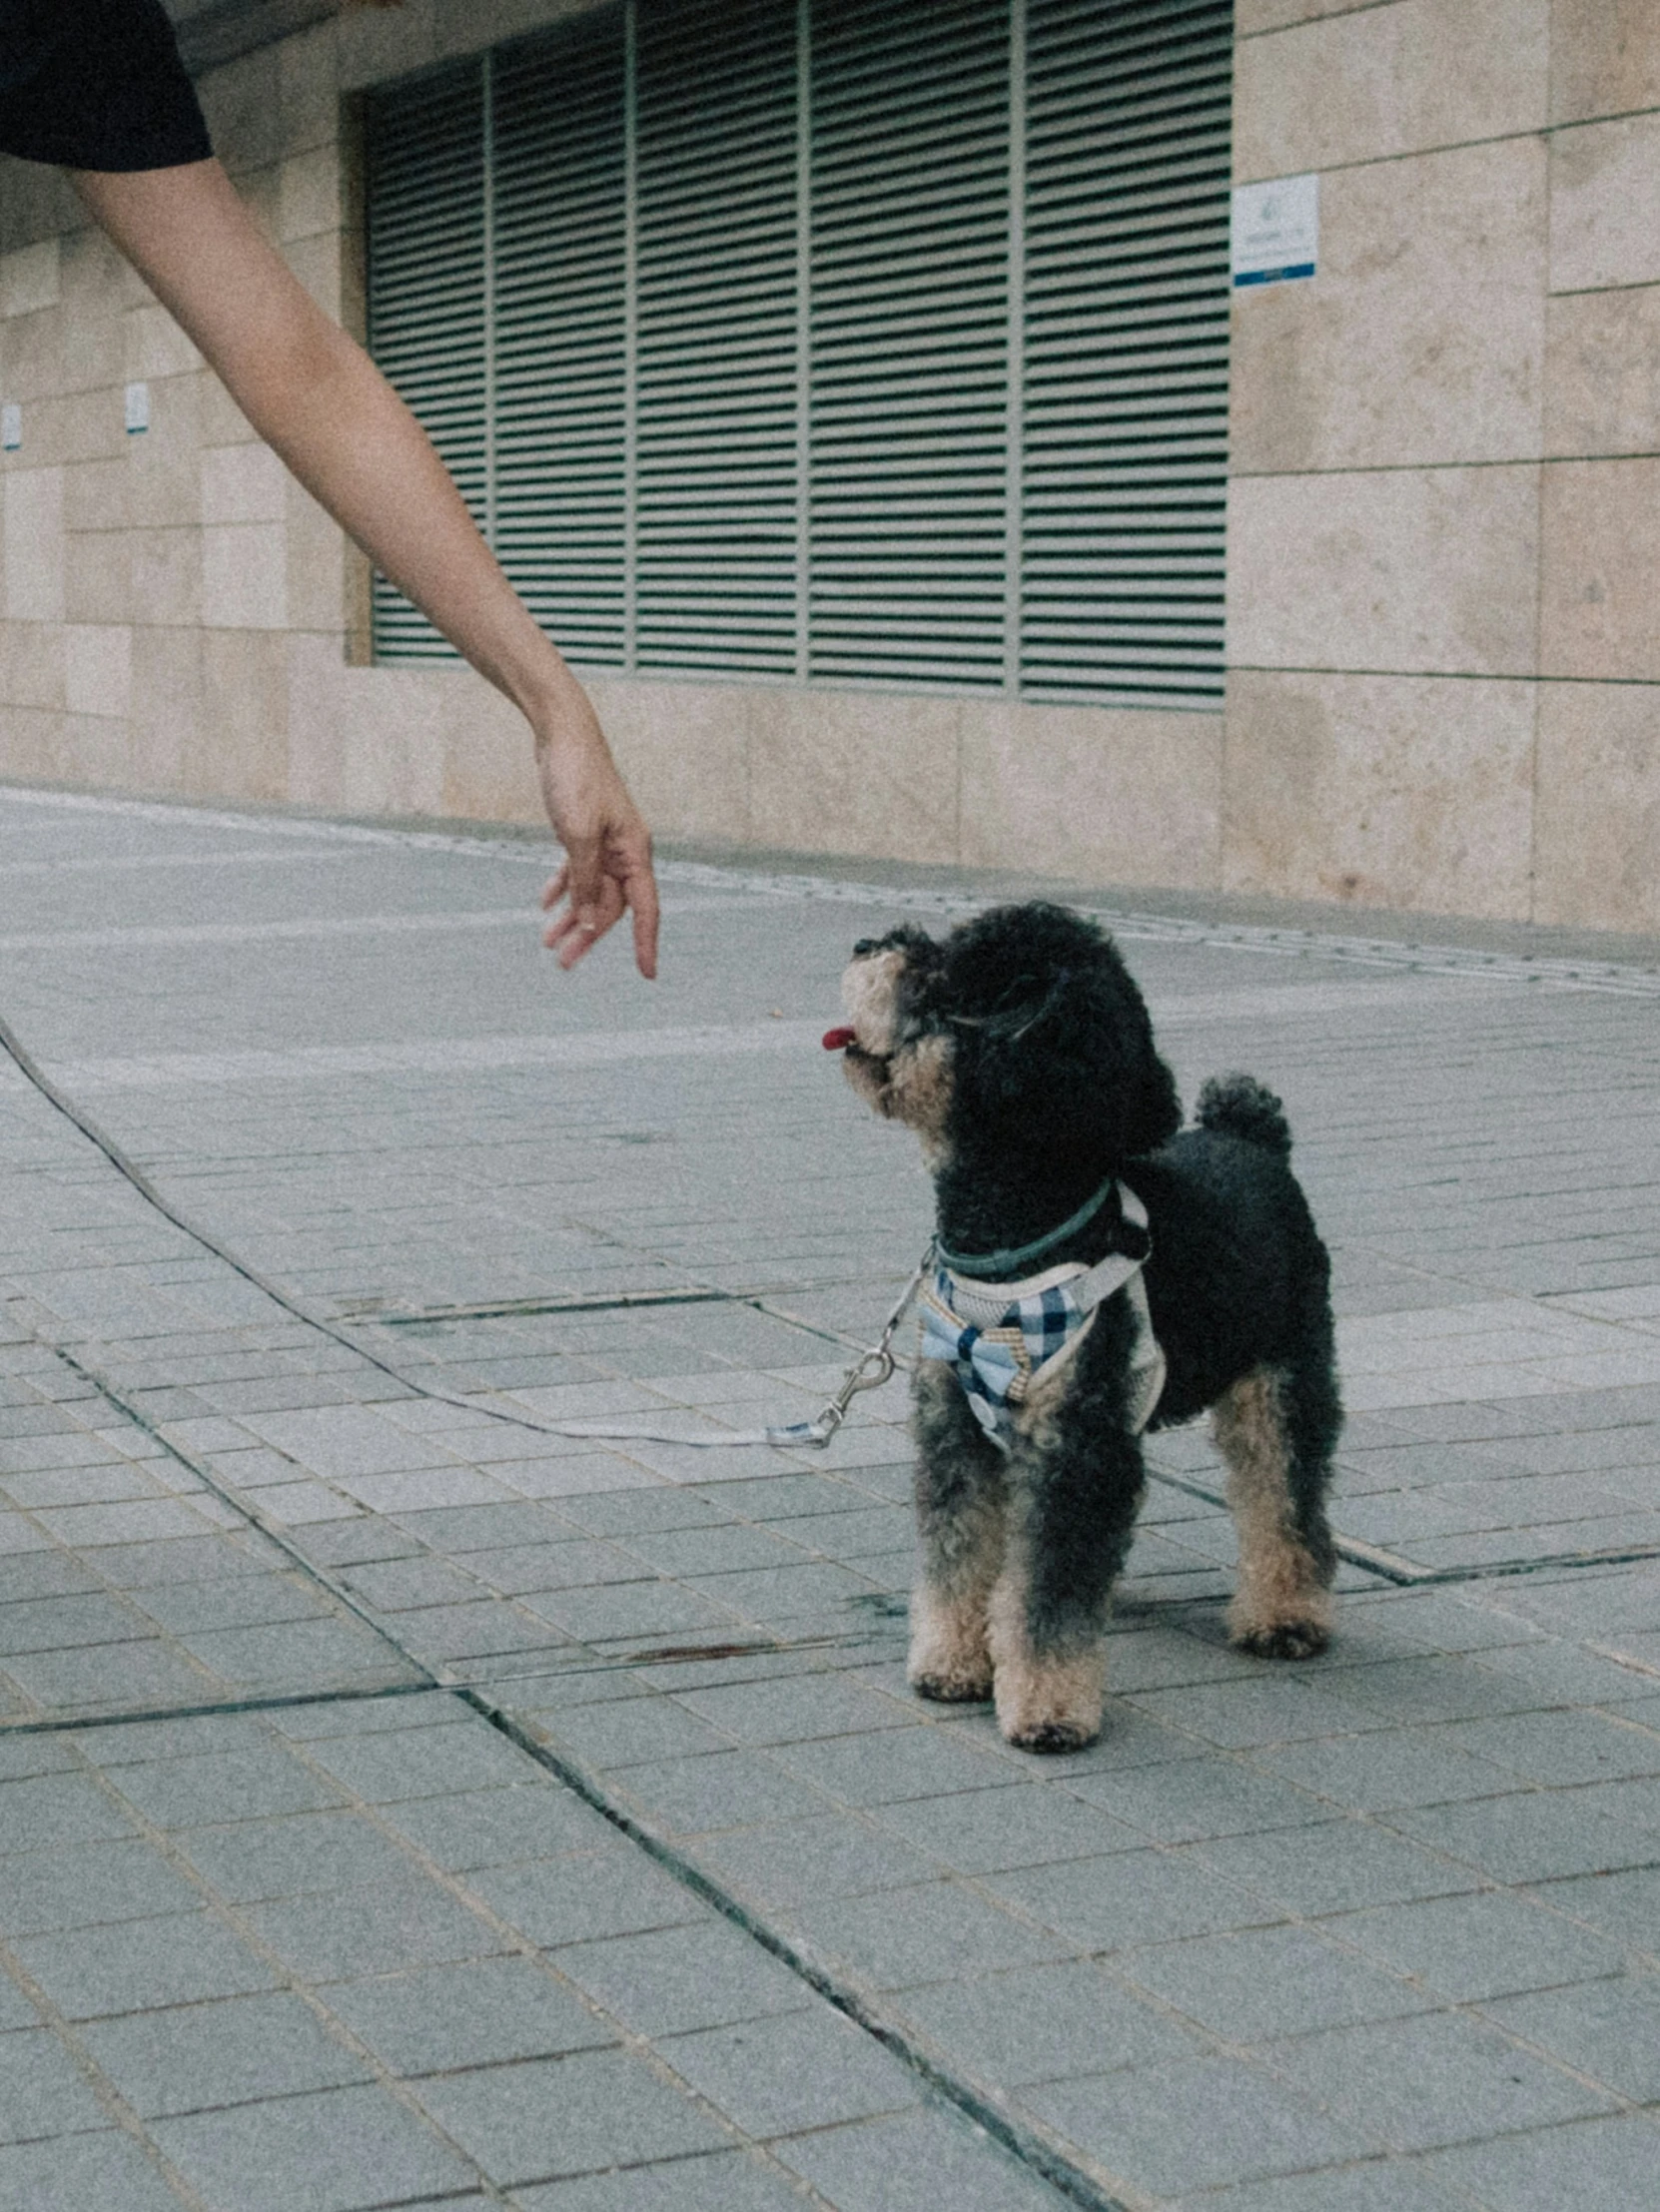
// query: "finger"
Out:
[584,877]
[555,888]
[641,889]
[575,934]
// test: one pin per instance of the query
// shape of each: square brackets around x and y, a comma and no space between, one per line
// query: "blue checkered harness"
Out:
[1003,1338]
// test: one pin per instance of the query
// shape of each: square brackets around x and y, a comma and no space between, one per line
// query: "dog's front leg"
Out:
[1073,1492]
[960,1502]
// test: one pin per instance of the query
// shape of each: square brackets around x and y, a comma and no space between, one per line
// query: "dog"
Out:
[1098,1269]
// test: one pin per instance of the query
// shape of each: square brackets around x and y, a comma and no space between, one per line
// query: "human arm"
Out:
[318,400]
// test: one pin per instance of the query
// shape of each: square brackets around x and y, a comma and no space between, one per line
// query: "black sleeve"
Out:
[95,84]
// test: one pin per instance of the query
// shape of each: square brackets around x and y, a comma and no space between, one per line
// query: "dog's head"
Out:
[1022,1027]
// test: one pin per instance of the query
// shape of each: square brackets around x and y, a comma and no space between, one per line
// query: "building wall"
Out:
[1444,533]
[1444,512]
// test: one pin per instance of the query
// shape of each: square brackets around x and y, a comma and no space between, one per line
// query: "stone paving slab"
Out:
[1428,1863]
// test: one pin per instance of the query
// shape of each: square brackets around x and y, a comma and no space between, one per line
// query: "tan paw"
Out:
[1282,1639]
[1051,1736]
[952,1686]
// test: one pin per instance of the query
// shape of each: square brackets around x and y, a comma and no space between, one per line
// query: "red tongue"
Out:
[836,1041]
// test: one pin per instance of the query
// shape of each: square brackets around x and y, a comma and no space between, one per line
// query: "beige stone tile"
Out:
[34,542]
[489,774]
[854,772]
[1597,834]
[1386,791]
[30,744]
[97,576]
[395,735]
[375,44]
[32,664]
[1398,79]
[378,740]
[1431,570]
[155,346]
[98,668]
[319,697]
[95,752]
[35,354]
[241,100]
[243,750]
[30,278]
[309,193]
[1253,15]
[166,721]
[1098,794]
[36,202]
[94,347]
[164,466]
[1601,570]
[321,265]
[308,89]
[241,483]
[316,565]
[95,495]
[1606,204]
[221,421]
[95,277]
[464,26]
[1602,373]
[166,574]
[83,425]
[684,748]
[1393,356]
[245,577]
[1604,58]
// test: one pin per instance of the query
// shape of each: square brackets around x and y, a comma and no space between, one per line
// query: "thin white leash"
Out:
[869,1372]
[872,1368]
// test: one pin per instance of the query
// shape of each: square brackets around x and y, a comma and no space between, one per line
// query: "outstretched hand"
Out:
[607,866]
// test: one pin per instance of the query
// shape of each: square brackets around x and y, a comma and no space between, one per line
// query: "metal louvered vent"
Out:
[425,196]
[1125,471]
[844,340]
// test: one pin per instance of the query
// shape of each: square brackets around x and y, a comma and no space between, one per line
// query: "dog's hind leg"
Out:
[960,1492]
[1276,1430]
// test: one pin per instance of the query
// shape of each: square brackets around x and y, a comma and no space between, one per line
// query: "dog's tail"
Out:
[1238,1106]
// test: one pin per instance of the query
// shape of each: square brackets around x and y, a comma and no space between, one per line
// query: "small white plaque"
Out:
[11,426]
[138,409]
[1277,230]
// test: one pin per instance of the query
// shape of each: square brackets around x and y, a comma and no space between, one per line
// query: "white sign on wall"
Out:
[1277,230]
[138,410]
[11,426]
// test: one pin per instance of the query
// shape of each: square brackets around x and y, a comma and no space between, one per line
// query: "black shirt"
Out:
[95,84]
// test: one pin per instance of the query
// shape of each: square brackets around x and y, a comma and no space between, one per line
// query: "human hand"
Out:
[607,865]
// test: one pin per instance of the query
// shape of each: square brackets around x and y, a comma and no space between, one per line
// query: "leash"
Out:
[872,1368]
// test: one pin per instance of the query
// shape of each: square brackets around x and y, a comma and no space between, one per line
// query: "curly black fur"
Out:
[1055,1088]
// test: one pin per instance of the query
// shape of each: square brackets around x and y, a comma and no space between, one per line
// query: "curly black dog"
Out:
[1020,1050]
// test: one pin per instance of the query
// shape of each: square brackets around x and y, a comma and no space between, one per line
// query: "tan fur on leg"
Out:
[949,1655]
[961,1558]
[1044,1703]
[1282,1610]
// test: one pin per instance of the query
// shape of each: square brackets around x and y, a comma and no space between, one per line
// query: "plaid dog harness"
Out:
[1003,1338]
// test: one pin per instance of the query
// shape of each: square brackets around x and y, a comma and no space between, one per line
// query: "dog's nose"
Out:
[865,946]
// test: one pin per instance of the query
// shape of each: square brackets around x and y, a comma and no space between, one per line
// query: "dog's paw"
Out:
[1284,1639]
[946,1688]
[1051,1736]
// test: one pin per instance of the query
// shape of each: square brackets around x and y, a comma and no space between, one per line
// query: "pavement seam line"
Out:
[1025,2143]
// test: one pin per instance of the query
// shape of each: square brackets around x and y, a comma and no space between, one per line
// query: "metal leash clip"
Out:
[869,1372]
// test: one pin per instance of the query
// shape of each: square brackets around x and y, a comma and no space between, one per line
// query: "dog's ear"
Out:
[1067,1064]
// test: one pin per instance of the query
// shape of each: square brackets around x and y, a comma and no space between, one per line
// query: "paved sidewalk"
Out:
[403,1807]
